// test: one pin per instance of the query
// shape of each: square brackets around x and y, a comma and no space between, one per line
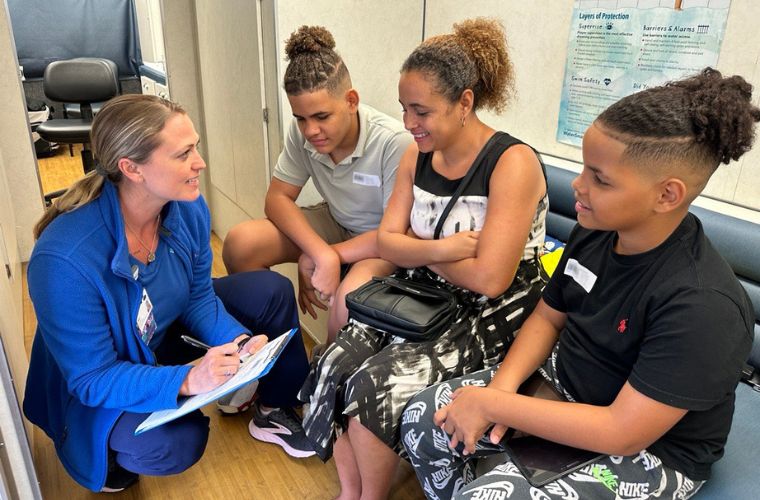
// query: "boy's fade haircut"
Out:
[313,63]
[694,124]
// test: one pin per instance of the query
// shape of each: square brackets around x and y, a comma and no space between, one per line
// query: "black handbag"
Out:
[408,308]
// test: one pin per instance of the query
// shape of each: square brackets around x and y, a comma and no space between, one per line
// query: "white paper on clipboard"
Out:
[251,369]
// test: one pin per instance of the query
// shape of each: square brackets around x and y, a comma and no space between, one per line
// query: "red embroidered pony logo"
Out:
[622,325]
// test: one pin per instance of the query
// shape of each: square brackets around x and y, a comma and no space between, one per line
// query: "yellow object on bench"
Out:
[551,259]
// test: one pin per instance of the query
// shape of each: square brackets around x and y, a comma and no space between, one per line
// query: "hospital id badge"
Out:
[146,323]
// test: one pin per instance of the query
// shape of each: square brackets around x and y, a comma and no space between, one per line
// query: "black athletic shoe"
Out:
[281,426]
[118,478]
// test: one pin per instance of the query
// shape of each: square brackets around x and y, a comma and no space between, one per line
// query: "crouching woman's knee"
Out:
[168,449]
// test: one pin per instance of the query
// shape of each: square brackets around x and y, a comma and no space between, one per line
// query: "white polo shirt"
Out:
[358,188]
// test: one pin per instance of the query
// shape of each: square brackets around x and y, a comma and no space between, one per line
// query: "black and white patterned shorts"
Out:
[444,473]
[370,375]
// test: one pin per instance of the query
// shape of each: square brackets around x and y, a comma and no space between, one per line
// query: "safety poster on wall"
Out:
[619,47]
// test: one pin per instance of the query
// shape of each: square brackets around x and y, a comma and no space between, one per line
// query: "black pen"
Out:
[195,342]
[200,345]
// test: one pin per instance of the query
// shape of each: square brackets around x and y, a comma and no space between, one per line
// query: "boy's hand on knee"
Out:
[326,276]
[462,419]
[307,295]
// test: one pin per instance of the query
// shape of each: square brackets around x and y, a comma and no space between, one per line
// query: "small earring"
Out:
[463,120]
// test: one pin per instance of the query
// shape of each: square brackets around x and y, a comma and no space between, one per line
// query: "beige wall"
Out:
[18,210]
[538,37]
[11,307]
[21,482]
[182,71]
[20,207]
[16,142]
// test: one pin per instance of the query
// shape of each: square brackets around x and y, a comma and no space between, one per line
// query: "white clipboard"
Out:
[251,369]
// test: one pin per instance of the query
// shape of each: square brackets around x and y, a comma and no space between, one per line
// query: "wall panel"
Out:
[228,53]
[16,143]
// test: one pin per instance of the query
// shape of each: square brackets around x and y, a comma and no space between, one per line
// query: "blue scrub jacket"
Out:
[88,362]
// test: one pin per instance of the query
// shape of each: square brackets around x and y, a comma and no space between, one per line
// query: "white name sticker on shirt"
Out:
[580,274]
[146,322]
[366,179]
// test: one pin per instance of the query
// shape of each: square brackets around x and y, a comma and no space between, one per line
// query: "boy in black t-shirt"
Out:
[643,326]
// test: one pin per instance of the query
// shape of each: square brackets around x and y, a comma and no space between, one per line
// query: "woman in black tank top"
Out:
[486,254]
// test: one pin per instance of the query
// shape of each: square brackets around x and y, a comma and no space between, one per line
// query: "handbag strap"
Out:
[465,181]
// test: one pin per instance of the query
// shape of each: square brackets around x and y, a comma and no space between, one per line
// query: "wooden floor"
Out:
[234,465]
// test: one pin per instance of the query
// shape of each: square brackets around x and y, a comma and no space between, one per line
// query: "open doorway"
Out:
[45,32]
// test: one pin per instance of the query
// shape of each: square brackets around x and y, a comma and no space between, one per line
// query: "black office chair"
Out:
[82,81]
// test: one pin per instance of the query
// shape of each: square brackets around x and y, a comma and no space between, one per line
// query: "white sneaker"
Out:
[238,401]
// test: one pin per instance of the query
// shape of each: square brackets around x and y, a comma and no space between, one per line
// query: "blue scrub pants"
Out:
[264,302]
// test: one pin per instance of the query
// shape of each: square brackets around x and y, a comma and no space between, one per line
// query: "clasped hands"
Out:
[219,364]
[463,418]
[318,279]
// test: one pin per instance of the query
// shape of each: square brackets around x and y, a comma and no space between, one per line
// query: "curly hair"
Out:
[475,56]
[313,63]
[700,121]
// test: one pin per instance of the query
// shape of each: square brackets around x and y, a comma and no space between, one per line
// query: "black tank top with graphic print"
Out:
[432,192]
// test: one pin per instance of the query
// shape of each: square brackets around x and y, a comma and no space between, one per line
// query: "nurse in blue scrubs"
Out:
[121,268]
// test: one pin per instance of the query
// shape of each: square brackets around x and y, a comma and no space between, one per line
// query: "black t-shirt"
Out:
[674,322]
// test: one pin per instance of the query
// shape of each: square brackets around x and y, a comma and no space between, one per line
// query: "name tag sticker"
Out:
[580,274]
[366,179]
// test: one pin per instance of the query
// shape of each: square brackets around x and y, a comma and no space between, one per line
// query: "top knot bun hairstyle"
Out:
[313,63]
[308,40]
[702,121]
[475,56]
